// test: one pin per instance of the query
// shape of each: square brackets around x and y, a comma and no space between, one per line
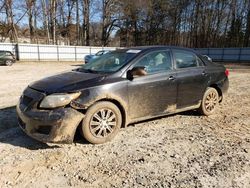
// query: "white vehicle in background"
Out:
[88,58]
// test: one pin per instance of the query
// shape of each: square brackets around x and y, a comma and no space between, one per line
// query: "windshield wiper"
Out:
[86,70]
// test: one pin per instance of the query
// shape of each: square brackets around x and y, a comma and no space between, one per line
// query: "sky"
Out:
[20,13]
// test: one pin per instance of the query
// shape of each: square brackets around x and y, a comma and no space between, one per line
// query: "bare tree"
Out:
[86,22]
[12,32]
[45,19]
[78,34]
[247,32]
[53,8]
[110,12]
[30,4]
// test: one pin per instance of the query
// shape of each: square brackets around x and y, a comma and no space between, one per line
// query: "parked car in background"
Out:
[119,88]
[7,58]
[88,58]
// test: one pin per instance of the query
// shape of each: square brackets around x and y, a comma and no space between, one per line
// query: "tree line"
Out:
[190,23]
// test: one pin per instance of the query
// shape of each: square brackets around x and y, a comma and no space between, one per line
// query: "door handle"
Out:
[171,78]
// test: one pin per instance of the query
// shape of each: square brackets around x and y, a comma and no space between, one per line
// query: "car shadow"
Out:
[10,133]
[79,139]
[8,118]
[191,113]
[186,113]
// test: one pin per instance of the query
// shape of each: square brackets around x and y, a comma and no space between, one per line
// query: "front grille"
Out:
[30,97]
[26,100]
[44,130]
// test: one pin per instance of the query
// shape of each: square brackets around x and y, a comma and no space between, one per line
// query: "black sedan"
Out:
[120,88]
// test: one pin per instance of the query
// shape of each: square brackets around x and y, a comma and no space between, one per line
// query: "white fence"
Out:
[39,52]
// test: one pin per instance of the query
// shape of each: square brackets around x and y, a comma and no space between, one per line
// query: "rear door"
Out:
[192,78]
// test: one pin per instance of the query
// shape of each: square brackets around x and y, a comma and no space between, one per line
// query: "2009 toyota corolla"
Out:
[119,88]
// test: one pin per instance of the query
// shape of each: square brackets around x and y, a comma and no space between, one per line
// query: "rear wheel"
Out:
[8,62]
[209,102]
[102,122]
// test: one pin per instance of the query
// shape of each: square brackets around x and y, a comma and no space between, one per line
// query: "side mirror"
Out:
[208,58]
[136,72]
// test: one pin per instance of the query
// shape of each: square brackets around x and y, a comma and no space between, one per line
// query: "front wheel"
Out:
[8,62]
[101,123]
[209,102]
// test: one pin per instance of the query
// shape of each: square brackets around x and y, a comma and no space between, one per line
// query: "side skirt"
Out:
[193,107]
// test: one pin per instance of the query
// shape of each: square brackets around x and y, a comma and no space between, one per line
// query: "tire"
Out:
[209,102]
[101,123]
[8,62]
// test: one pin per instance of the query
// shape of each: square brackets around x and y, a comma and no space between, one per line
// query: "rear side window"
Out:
[200,62]
[186,59]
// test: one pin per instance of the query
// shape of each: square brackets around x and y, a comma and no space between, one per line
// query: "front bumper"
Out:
[55,126]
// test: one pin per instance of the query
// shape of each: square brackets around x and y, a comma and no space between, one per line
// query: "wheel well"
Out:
[121,108]
[218,90]
[115,102]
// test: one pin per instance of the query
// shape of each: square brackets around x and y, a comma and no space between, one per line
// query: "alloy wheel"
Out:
[8,62]
[211,101]
[103,123]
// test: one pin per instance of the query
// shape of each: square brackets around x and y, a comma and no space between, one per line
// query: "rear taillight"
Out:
[227,72]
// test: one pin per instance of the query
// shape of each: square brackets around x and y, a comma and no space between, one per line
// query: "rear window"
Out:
[185,59]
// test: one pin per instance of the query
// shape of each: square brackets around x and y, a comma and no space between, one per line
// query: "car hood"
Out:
[66,82]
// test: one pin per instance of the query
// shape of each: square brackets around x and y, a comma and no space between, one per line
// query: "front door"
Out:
[154,93]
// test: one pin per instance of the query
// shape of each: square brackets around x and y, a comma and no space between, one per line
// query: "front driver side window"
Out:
[155,62]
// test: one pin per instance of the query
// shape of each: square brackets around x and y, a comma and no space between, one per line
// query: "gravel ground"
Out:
[183,150]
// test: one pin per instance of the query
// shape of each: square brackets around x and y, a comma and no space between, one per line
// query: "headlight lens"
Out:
[58,100]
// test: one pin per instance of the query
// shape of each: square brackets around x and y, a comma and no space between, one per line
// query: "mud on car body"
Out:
[119,88]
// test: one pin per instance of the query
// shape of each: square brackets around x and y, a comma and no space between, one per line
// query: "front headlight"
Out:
[58,100]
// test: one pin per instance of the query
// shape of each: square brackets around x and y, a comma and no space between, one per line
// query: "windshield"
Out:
[108,63]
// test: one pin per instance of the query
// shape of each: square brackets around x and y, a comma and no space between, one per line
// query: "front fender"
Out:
[91,96]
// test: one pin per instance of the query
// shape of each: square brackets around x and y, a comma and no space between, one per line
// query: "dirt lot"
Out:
[183,150]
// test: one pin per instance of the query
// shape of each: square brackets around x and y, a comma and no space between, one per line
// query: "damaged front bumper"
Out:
[55,126]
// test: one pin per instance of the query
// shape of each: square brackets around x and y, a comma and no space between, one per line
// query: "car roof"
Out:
[148,48]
